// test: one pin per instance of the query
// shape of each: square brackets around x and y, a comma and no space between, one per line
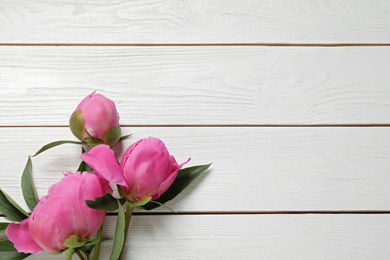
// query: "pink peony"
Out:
[145,172]
[96,121]
[61,214]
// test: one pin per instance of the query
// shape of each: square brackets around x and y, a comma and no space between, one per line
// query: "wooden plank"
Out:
[252,237]
[198,85]
[177,21]
[254,169]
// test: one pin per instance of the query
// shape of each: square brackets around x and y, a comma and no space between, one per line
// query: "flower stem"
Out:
[129,212]
[97,246]
[69,253]
[77,251]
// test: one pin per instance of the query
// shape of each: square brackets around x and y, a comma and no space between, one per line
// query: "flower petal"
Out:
[22,239]
[102,159]
[171,178]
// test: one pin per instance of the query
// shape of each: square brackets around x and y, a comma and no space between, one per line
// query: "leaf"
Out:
[10,208]
[84,167]
[3,227]
[8,251]
[81,167]
[183,179]
[124,137]
[119,238]
[54,144]
[107,203]
[165,206]
[28,188]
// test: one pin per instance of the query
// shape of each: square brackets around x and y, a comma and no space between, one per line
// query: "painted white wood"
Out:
[252,237]
[198,85]
[254,168]
[205,21]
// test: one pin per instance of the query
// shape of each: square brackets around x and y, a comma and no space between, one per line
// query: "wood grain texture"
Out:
[254,169]
[198,85]
[205,21]
[251,237]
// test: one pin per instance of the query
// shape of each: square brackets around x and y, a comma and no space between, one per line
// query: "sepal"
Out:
[77,124]
[112,136]
[75,241]
[144,200]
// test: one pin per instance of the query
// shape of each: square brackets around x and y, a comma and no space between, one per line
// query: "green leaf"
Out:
[119,238]
[10,208]
[84,167]
[8,251]
[3,227]
[107,203]
[165,206]
[54,144]
[124,137]
[183,179]
[28,188]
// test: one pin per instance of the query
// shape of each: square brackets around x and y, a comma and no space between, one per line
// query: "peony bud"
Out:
[145,172]
[61,215]
[96,121]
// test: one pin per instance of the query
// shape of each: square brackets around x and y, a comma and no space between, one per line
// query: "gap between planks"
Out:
[316,212]
[203,44]
[301,212]
[222,125]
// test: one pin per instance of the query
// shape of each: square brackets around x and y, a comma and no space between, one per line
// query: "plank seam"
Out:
[265,212]
[323,212]
[222,125]
[202,44]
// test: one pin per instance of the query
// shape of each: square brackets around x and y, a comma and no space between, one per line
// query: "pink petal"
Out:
[89,190]
[100,114]
[84,101]
[181,165]
[156,171]
[102,159]
[22,239]
[171,178]
[52,222]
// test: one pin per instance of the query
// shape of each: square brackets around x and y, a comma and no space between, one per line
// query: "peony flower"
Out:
[145,172]
[96,121]
[61,214]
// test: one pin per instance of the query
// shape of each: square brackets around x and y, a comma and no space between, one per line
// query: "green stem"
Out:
[69,253]
[77,251]
[129,213]
[97,247]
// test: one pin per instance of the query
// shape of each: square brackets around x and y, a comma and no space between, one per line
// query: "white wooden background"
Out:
[290,100]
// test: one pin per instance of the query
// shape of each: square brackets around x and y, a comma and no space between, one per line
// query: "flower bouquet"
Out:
[69,218]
